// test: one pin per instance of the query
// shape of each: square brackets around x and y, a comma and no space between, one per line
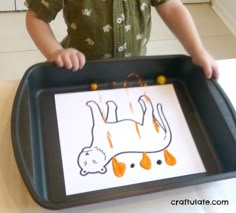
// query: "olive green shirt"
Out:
[101,28]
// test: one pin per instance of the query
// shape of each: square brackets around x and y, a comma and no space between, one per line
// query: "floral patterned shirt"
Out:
[101,28]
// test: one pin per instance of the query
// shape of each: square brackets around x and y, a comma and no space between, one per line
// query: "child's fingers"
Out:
[69,58]
[208,64]
[82,60]
[59,62]
[207,70]
[211,69]
[67,61]
[75,62]
[215,72]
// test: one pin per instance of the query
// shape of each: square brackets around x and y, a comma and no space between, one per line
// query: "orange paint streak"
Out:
[125,84]
[169,158]
[131,74]
[146,162]
[140,82]
[104,117]
[131,107]
[109,140]
[127,92]
[146,98]
[137,130]
[155,124]
[113,84]
[100,98]
[118,168]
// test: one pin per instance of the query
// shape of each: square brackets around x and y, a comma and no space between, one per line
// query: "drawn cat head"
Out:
[92,160]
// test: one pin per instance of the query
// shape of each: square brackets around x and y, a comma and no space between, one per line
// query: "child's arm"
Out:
[46,42]
[180,22]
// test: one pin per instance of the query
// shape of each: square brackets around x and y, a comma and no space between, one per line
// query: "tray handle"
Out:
[226,100]
[23,147]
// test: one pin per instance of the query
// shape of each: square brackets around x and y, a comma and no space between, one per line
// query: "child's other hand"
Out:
[208,63]
[69,58]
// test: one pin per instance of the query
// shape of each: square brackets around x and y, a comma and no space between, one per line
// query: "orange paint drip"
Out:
[137,130]
[109,140]
[155,124]
[100,98]
[125,84]
[140,82]
[131,74]
[169,158]
[104,117]
[113,84]
[131,107]
[127,92]
[145,84]
[146,162]
[118,168]
[146,98]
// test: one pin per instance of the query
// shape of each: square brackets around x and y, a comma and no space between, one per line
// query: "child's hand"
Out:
[69,58]
[208,63]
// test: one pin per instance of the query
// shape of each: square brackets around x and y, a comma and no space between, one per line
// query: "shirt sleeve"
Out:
[45,10]
[158,2]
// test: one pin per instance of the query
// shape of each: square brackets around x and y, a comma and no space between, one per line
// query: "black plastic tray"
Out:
[208,112]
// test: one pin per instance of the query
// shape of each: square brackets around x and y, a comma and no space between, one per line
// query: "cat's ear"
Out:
[103,170]
[83,172]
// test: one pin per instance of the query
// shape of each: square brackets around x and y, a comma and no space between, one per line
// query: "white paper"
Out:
[84,129]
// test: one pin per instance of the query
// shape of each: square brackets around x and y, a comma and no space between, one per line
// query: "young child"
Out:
[110,28]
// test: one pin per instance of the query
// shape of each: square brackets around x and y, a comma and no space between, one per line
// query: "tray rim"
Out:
[18,157]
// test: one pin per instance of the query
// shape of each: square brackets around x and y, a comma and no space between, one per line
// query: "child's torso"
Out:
[108,28]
